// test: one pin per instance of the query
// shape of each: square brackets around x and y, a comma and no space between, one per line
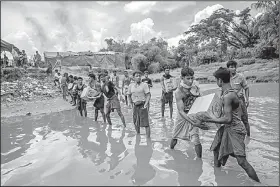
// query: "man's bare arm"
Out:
[162,84]
[130,99]
[148,97]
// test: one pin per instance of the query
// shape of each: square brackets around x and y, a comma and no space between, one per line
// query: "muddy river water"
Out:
[65,149]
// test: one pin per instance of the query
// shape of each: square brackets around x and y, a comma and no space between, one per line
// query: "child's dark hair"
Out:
[75,78]
[223,74]
[231,63]
[146,71]
[92,75]
[136,72]
[56,70]
[80,78]
[70,76]
[166,67]
[186,71]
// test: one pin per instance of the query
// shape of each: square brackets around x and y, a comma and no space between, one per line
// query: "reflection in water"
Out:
[46,149]
[144,172]
[118,150]
[188,169]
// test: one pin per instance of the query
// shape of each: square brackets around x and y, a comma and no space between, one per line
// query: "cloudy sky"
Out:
[83,26]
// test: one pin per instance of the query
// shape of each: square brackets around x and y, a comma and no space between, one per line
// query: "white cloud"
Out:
[143,7]
[174,41]
[165,6]
[143,31]
[205,13]
[56,28]
[106,3]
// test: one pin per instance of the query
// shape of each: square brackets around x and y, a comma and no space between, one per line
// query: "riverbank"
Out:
[254,70]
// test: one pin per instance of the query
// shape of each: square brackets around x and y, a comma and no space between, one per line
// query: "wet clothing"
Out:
[113,101]
[138,92]
[183,129]
[167,97]
[229,139]
[239,84]
[99,102]
[140,115]
[126,83]
[81,104]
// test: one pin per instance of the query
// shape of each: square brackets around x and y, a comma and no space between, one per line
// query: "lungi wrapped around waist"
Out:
[140,115]
[185,130]
[113,103]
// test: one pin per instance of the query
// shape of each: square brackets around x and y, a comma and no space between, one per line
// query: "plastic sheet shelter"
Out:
[6,46]
[98,59]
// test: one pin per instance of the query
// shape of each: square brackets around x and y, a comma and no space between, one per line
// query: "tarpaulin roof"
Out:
[6,46]
[99,59]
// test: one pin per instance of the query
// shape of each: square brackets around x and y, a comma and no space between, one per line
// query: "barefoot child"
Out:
[109,90]
[229,139]
[125,83]
[81,104]
[99,102]
[74,91]
[139,97]
[64,86]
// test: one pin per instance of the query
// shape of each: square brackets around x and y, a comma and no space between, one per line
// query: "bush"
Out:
[139,62]
[247,61]
[244,53]
[154,68]
[172,63]
[206,57]
[157,80]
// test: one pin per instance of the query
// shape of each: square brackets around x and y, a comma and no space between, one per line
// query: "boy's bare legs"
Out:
[103,114]
[173,143]
[198,150]
[171,108]
[162,108]
[108,112]
[95,115]
[148,132]
[121,116]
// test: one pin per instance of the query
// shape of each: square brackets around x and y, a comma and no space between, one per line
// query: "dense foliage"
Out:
[225,35]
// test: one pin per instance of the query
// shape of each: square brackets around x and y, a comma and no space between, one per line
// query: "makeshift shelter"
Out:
[98,59]
[6,46]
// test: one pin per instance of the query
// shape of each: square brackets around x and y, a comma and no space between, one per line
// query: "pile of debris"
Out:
[29,89]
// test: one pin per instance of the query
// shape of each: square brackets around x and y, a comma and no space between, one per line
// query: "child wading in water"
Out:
[125,83]
[74,91]
[139,96]
[99,102]
[81,104]
[109,90]
[229,139]
[64,85]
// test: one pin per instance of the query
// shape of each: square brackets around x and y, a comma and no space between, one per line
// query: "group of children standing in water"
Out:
[229,139]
